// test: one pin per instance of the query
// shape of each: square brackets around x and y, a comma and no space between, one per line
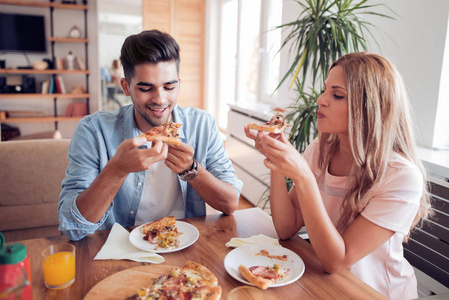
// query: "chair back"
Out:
[31,172]
[428,247]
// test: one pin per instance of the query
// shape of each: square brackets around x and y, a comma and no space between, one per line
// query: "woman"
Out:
[359,188]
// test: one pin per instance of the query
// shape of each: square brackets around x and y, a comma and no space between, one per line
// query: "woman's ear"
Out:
[125,86]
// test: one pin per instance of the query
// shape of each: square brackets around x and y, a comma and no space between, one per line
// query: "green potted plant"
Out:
[323,31]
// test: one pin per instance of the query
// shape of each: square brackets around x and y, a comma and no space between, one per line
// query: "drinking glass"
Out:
[59,266]
[246,293]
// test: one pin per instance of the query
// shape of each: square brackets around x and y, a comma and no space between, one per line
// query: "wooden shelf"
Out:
[45,4]
[41,96]
[67,40]
[40,119]
[45,72]
[24,116]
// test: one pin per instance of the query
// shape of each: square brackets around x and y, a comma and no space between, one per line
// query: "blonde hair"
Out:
[379,124]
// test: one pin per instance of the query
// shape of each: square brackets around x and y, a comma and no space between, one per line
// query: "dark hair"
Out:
[149,46]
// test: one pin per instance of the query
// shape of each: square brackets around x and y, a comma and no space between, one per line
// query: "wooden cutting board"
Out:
[126,283]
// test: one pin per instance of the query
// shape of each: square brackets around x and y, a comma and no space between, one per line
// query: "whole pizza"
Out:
[193,281]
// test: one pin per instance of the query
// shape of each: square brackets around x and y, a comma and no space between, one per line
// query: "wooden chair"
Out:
[428,247]
[30,183]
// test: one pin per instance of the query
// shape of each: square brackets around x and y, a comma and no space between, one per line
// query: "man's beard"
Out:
[155,121]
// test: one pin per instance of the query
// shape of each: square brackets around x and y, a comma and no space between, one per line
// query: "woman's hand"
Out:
[282,157]
[256,137]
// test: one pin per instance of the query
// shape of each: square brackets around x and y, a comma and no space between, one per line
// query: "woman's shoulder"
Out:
[402,171]
[314,145]
[398,162]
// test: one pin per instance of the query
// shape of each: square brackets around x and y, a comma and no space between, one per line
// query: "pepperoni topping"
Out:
[265,272]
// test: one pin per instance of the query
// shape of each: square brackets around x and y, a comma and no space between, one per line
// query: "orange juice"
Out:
[59,269]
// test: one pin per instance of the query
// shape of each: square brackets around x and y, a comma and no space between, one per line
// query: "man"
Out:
[116,176]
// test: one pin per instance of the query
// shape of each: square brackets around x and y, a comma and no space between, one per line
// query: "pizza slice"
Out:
[263,276]
[167,132]
[277,124]
[163,233]
[193,281]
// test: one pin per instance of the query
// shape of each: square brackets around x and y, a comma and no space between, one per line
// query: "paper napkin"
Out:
[118,246]
[255,239]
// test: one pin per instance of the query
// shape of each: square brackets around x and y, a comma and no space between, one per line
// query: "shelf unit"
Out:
[51,5]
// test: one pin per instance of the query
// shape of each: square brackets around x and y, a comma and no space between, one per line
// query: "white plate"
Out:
[189,236]
[246,255]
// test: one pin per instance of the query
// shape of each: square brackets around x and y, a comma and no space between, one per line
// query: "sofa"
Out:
[31,172]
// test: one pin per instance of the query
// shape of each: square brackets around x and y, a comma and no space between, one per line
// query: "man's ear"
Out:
[125,86]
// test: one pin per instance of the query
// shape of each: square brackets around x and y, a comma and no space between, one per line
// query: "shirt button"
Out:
[139,183]
[132,212]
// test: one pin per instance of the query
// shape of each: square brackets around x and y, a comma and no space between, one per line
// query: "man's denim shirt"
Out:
[95,142]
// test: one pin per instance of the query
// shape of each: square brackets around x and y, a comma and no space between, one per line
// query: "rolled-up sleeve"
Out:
[83,168]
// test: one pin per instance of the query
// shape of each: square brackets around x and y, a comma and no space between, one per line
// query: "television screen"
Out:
[24,33]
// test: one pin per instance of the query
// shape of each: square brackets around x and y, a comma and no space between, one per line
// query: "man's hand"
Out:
[180,158]
[129,158]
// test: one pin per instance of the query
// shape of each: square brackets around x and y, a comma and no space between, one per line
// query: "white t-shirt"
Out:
[160,198]
[394,207]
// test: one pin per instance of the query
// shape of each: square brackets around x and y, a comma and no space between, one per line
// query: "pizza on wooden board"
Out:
[167,132]
[263,276]
[193,281]
[277,124]
[163,233]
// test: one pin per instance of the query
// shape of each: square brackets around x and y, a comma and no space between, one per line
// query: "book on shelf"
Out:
[80,63]
[45,85]
[59,63]
[57,86]
[51,86]
[61,83]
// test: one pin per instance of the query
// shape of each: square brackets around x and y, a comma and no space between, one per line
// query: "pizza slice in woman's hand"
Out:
[277,124]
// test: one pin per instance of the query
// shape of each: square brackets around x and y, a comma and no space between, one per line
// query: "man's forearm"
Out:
[96,199]
[218,194]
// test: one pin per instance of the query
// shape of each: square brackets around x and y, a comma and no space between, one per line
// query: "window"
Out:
[247,62]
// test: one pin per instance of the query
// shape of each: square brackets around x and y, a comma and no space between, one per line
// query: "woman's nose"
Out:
[322,100]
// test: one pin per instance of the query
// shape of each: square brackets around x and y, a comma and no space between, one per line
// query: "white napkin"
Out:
[255,239]
[118,246]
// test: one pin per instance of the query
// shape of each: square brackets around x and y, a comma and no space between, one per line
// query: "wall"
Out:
[415,43]
[184,20]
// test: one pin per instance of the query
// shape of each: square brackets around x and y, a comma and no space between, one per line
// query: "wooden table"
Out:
[210,251]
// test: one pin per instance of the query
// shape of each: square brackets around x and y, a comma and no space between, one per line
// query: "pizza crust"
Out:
[165,221]
[207,277]
[171,140]
[268,128]
[258,281]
